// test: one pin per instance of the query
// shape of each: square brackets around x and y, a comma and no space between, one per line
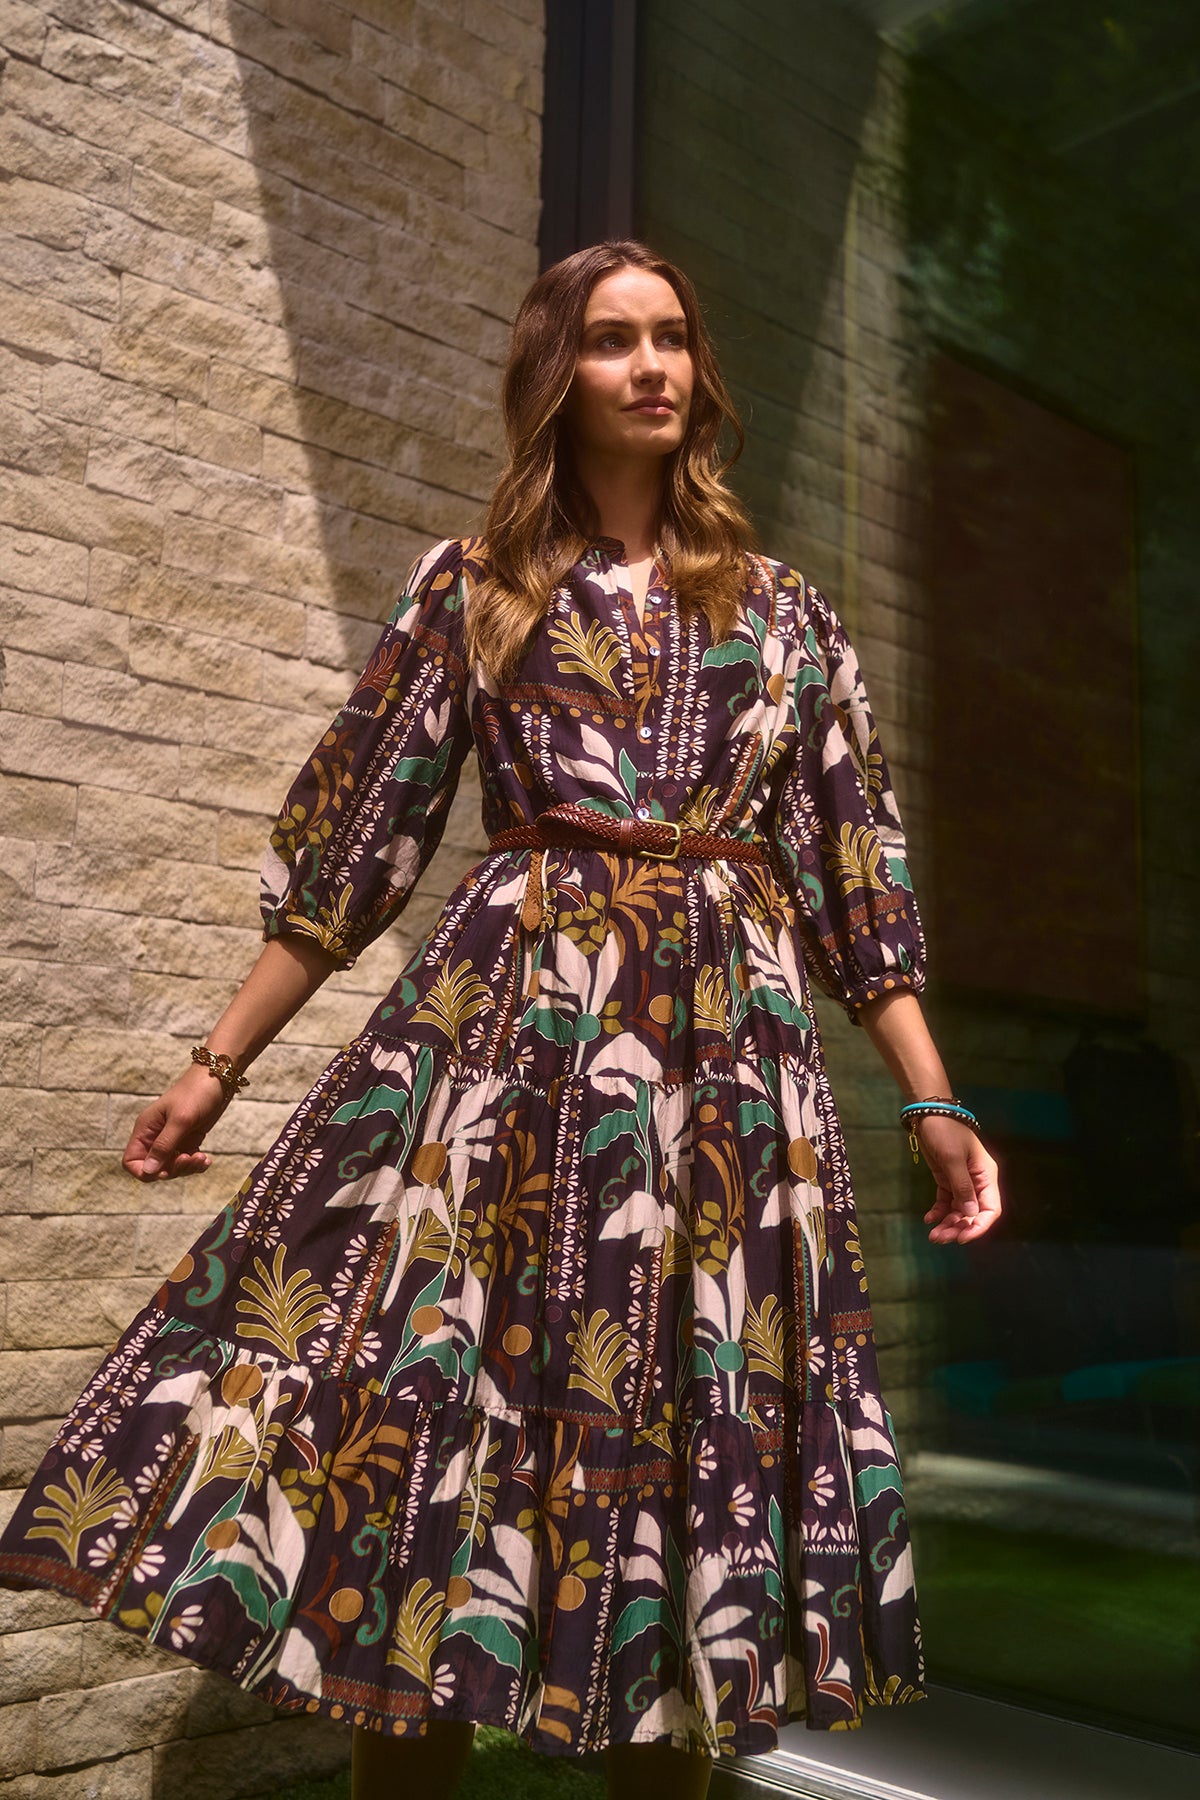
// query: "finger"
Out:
[944,1201]
[183,1162]
[146,1128]
[946,1215]
[987,1189]
[987,1210]
[983,1220]
[964,1192]
[175,1138]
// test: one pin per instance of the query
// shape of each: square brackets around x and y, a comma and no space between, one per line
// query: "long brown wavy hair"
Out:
[541,519]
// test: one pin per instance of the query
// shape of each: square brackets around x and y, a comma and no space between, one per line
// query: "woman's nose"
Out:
[649,362]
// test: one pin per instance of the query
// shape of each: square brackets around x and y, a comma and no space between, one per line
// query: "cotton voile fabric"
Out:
[530,1377]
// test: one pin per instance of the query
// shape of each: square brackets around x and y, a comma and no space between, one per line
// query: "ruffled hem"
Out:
[382,1559]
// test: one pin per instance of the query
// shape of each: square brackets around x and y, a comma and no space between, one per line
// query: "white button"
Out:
[643,731]
[652,649]
[643,812]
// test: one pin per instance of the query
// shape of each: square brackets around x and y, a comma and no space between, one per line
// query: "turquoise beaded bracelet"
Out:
[937,1106]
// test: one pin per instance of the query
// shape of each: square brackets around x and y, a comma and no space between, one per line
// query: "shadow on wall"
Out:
[398,170]
[750,164]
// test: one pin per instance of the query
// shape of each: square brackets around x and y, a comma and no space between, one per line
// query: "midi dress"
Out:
[530,1378]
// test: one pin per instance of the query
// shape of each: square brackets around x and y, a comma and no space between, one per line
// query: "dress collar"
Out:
[614,549]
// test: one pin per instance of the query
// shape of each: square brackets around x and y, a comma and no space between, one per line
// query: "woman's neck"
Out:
[628,500]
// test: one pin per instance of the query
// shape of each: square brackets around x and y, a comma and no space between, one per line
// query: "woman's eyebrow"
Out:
[675,319]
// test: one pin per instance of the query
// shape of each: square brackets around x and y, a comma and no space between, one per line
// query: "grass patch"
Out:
[501,1768]
[1097,1627]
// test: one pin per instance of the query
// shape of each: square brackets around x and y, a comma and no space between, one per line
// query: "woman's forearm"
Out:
[288,972]
[167,1134]
[896,1026]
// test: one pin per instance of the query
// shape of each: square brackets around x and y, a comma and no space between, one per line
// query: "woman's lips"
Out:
[652,406]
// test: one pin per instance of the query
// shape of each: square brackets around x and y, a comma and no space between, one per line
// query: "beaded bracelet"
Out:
[938,1106]
[222,1066]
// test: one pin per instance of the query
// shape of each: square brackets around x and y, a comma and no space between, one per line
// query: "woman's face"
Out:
[633,376]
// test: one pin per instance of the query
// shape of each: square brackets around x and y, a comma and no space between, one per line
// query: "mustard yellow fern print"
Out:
[769,1337]
[478,1502]
[78,1507]
[854,857]
[331,928]
[676,1254]
[710,999]
[430,1240]
[594,652]
[229,1456]
[601,1347]
[456,996]
[279,1311]
[870,765]
[701,811]
[417,1630]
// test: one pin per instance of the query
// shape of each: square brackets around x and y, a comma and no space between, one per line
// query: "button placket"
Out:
[645,650]
[652,644]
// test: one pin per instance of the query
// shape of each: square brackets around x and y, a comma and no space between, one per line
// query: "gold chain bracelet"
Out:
[222,1066]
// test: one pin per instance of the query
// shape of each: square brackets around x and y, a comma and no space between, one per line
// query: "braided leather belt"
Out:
[571,824]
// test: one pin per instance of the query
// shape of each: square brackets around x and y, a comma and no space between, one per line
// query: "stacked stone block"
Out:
[258,266]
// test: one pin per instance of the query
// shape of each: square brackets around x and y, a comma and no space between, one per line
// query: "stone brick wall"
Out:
[258,263]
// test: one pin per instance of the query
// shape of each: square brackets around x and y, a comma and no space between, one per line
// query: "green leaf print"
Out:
[768,1000]
[248,1588]
[553,1024]
[755,1112]
[382,1098]
[612,1126]
[426,771]
[898,870]
[497,1638]
[878,1478]
[646,1610]
[733,650]
[808,675]
[627,773]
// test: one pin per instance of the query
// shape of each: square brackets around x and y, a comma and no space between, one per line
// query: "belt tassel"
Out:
[531,911]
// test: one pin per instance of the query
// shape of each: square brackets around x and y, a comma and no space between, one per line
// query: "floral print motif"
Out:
[530,1377]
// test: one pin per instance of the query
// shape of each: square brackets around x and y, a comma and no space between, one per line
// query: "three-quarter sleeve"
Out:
[838,827]
[364,816]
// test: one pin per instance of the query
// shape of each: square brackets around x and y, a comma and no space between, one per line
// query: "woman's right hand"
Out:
[167,1134]
[166,1137]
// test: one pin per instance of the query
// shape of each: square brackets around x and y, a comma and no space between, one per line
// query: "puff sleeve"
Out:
[364,816]
[838,828]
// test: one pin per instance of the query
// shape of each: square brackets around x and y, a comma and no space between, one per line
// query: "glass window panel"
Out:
[951,255]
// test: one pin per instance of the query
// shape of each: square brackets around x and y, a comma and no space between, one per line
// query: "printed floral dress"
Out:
[530,1377]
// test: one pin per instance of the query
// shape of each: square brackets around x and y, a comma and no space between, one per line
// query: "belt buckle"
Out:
[671,855]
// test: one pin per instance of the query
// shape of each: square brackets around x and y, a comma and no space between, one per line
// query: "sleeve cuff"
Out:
[325,930]
[894,981]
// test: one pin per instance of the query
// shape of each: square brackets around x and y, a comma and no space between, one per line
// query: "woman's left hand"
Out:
[968,1194]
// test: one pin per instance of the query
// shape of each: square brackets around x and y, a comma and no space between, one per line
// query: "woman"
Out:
[530,1379]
